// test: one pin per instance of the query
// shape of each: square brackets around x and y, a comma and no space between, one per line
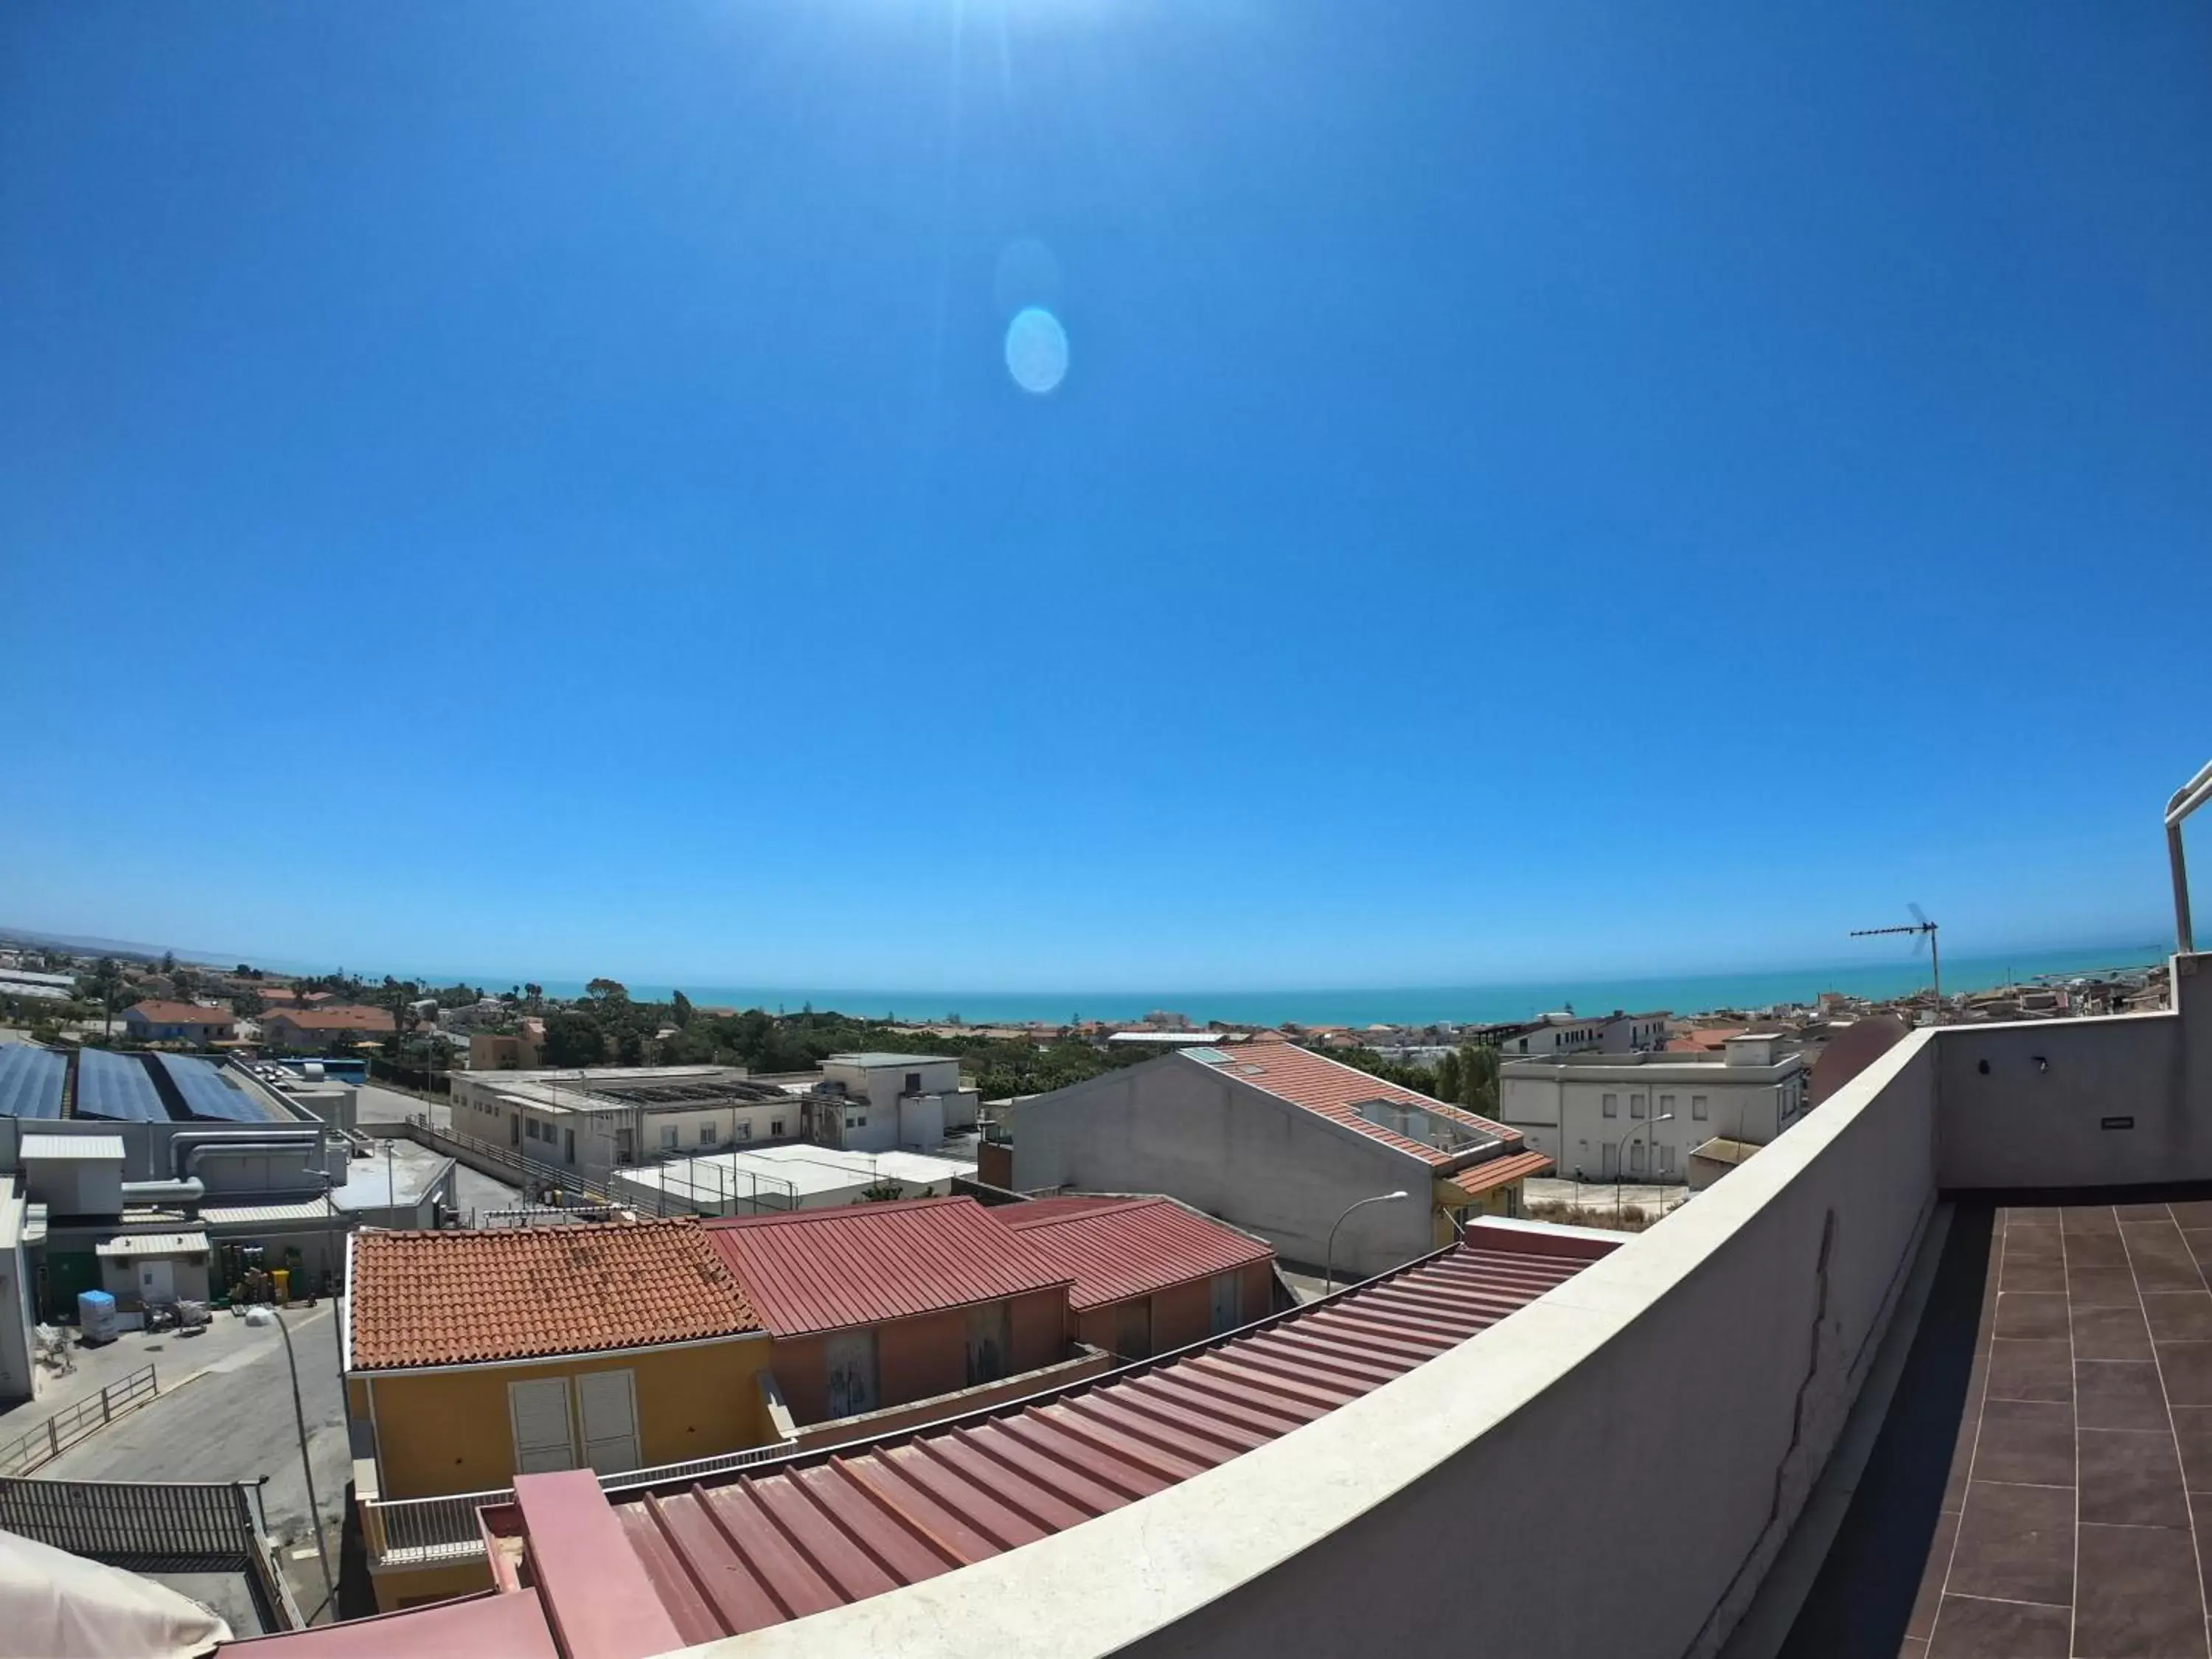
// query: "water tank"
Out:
[313,1071]
[96,1317]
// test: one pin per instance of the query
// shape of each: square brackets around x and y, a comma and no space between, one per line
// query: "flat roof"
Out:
[801,1171]
[153,1244]
[72,1146]
[873,1060]
[265,1215]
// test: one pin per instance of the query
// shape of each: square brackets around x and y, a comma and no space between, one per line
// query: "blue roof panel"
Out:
[31,1080]
[119,1087]
[209,1091]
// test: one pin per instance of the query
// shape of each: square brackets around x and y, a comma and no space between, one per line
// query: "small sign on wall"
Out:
[2118,1123]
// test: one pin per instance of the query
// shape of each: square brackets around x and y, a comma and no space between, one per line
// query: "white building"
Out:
[1609,1114]
[772,1178]
[1567,1033]
[877,1102]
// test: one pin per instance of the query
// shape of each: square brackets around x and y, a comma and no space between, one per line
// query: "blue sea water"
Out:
[1415,1004]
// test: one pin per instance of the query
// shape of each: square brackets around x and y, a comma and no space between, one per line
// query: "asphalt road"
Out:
[235,1422]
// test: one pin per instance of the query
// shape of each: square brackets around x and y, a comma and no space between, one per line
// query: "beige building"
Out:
[591,1122]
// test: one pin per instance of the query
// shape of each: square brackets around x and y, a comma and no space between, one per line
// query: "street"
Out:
[233,1421]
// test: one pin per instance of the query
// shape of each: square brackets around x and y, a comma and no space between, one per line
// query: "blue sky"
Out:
[1576,488]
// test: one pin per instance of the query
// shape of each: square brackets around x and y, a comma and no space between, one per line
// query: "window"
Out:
[1636,1106]
[668,1137]
[1666,1160]
[775,1127]
[914,1083]
[856,1123]
[710,1134]
[745,1131]
[1697,1108]
[1666,1104]
[1612,1105]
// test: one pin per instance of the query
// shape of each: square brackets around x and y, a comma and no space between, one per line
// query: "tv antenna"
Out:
[1924,931]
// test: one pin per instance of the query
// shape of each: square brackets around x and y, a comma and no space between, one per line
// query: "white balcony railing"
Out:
[421,1532]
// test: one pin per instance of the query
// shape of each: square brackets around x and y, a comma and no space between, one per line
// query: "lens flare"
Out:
[1036,351]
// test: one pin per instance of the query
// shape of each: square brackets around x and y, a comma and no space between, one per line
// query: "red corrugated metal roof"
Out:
[1126,1248]
[1333,1090]
[819,1270]
[469,1627]
[819,1530]
[1500,1172]
[1070,1204]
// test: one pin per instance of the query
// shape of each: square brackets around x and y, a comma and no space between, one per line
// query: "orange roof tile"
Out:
[460,1298]
[1481,1178]
[333,1019]
[1333,1090]
[179,1013]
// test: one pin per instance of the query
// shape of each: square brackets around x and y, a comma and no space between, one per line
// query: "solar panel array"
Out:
[117,1086]
[207,1092]
[31,1080]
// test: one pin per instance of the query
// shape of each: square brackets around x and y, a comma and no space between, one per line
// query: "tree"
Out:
[399,996]
[681,1006]
[169,962]
[572,1039]
[629,1047]
[248,1005]
[105,982]
[1448,1077]
[1478,1064]
[187,983]
[607,990]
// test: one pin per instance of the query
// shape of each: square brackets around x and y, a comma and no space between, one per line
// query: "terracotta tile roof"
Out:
[180,1013]
[1332,1090]
[1480,1178]
[459,1298]
[340,1018]
[1120,1249]
[819,1270]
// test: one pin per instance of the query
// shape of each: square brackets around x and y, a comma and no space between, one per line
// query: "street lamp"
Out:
[1329,1266]
[1621,1153]
[308,1467]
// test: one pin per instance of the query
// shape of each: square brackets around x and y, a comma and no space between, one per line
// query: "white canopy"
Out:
[61,1606]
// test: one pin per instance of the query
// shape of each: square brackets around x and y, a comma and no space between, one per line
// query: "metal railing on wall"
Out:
[426,1531]
[38,1446]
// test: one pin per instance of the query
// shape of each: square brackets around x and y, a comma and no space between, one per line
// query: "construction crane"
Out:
[1924,931]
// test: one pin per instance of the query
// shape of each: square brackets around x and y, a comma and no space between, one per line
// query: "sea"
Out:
[1420,1005]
